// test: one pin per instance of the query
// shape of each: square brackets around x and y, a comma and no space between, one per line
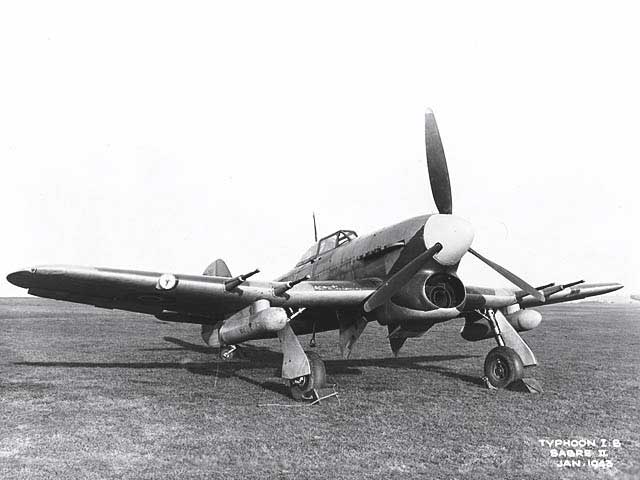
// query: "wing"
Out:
[183,298]
[480,297]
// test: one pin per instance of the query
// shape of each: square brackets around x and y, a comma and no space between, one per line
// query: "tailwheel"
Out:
[502,367]
[302,387]
[228,353]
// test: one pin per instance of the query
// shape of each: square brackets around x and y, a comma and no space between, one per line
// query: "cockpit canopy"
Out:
[335,240]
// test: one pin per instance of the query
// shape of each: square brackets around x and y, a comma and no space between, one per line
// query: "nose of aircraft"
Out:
[22,278]
[455,234]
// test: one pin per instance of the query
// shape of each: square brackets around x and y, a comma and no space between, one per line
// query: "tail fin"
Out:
[217,269]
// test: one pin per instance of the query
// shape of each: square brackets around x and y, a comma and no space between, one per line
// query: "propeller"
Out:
[512,277]
[441,190]
[446,236]
[437,165]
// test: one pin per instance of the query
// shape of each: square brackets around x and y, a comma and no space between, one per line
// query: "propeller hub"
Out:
[454,233]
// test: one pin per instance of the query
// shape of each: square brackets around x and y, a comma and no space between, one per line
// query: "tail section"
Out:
[210,333]
[217,269]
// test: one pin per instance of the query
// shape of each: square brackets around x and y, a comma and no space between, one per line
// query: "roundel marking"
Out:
[167,281]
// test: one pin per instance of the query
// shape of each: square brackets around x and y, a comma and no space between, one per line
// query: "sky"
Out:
[161,136]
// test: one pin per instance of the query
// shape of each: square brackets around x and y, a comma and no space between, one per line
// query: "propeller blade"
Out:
[512,277]
[393,284]
[437,165]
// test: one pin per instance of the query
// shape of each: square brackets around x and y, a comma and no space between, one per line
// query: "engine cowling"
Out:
[428,291]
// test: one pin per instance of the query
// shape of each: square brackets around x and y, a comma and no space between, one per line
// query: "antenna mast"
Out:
[315,229]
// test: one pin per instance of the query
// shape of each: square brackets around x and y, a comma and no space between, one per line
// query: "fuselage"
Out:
[368,256]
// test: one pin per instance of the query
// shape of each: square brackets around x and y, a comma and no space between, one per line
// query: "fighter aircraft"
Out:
[402,276]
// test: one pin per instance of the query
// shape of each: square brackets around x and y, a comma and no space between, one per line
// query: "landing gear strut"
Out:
[312,342]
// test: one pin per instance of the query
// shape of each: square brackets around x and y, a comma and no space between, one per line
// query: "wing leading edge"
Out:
[201,298]
[204,298]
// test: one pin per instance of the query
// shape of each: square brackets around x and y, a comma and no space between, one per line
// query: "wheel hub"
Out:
[500,370]
[300,381]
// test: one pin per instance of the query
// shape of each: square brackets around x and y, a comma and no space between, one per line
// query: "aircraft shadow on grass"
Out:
[260,358]
[181,345]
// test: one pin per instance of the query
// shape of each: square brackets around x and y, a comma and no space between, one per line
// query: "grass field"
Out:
[90,393]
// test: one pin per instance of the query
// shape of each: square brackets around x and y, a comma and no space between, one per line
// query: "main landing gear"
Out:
[502,366]
[304,372]
[506,364]
[302,388]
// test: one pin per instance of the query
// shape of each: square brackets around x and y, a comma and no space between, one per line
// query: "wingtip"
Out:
[21,278]
[614,287]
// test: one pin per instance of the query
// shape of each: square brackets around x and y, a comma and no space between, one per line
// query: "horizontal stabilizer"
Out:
[218,269]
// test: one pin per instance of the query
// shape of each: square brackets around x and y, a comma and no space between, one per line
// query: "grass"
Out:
[90,393]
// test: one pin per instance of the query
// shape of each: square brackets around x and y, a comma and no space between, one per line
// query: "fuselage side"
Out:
[368,256]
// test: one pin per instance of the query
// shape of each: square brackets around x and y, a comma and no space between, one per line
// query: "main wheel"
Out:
[502,366]
[302,387]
